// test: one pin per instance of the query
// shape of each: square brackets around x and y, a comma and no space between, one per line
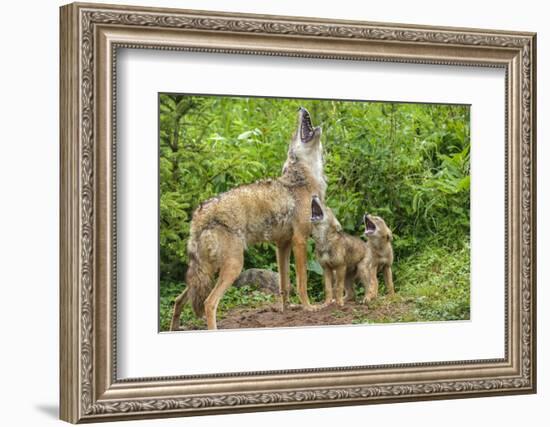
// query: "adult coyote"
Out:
[273,210]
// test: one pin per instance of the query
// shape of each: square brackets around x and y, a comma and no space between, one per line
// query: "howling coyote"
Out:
[272,210]
[345,258]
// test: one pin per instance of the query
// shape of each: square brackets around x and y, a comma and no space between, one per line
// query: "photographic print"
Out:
[278,212]
[316,199]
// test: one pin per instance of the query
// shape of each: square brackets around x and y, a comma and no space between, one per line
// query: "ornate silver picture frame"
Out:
[91,34]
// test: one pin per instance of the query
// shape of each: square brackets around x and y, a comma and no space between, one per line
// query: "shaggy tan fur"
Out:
[379,256]
[346,258]
[340,255]
[273,210]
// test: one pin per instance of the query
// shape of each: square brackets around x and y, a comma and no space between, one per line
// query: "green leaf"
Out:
[315,267]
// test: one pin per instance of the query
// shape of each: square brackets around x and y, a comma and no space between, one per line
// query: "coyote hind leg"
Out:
[231,268]
[178,305]
[349,286]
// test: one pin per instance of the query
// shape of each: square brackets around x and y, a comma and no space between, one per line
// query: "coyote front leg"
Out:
[299,247]
[388,279]
[372,291]
[340,283]
[283,264]
[349,287]
[329,295]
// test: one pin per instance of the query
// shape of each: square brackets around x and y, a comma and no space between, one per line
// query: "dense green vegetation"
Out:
[408,163]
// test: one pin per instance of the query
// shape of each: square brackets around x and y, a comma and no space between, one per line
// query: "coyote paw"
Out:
[367,299]
[282,306]
[278,308]
[324,304]
[311,308]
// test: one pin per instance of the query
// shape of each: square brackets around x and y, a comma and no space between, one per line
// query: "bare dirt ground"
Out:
[270,317]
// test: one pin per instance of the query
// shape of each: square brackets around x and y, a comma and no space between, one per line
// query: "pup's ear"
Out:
[389,236]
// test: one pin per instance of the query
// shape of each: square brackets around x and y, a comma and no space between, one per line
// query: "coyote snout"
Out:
[273,210]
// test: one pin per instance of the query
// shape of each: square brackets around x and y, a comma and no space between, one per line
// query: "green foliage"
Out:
[437,280]
[409,163]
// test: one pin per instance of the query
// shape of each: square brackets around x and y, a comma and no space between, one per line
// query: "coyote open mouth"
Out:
[370,227]
[316,210]
[306,128]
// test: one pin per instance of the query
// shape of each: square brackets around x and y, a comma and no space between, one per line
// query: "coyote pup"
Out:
[272,210]
[379,255]
[342,256]
[346,258]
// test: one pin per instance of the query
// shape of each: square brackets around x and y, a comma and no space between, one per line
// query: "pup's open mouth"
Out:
[316,210]
[370,227]
[306,128]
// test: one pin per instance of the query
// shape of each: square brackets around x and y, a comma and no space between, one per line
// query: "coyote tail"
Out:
[198,277]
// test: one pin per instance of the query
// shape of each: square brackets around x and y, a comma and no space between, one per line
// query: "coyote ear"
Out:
[389,236]
[337,225]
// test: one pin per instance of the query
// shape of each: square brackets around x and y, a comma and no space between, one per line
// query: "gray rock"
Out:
[265,280]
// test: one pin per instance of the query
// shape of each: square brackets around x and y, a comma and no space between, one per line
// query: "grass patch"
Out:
[437,281]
